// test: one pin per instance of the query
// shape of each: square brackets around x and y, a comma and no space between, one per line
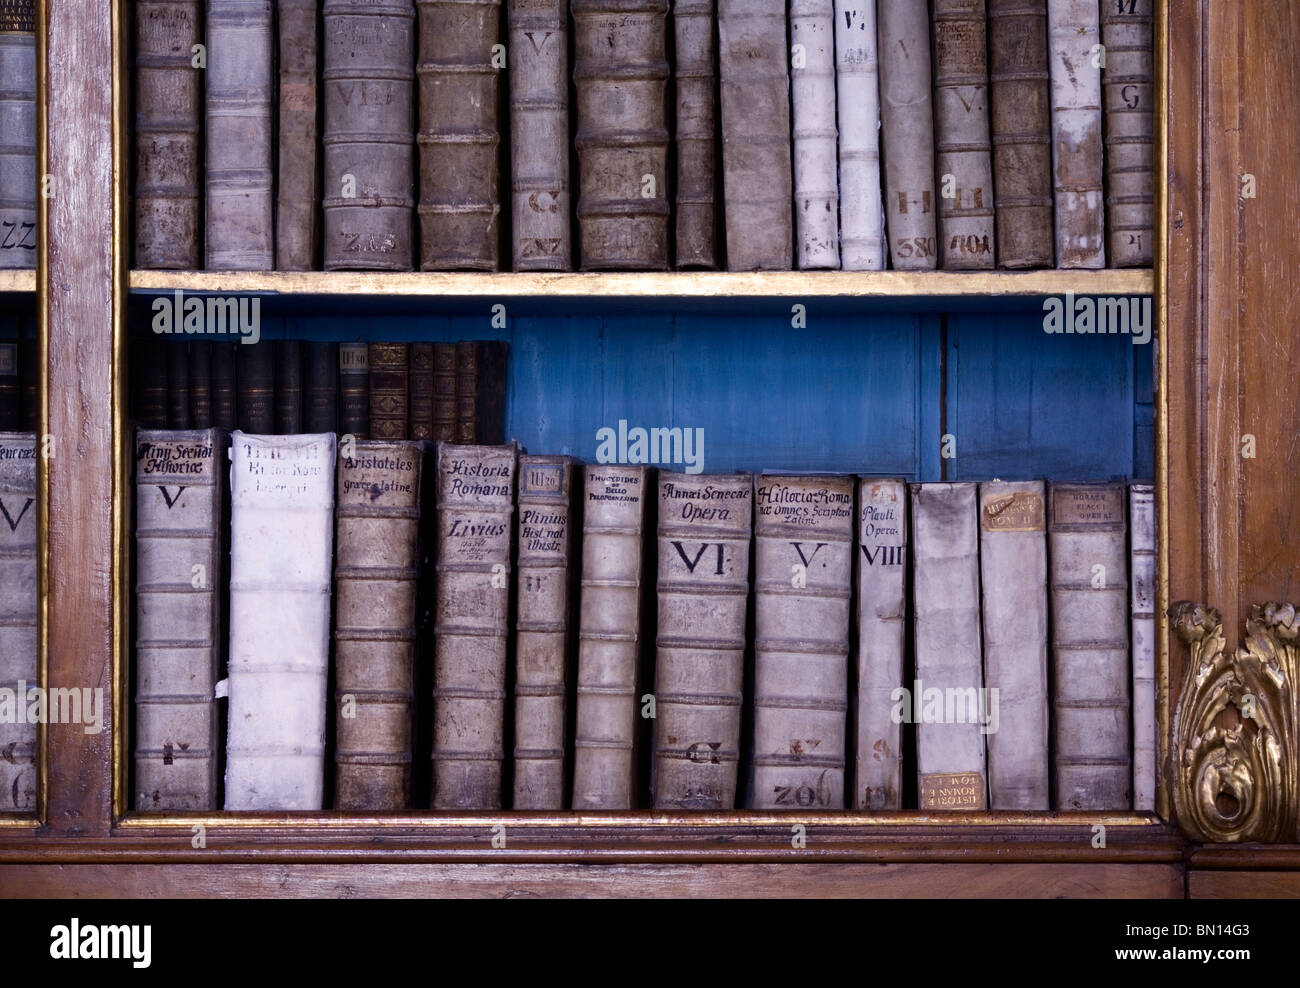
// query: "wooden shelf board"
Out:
[688,284]
[23,280]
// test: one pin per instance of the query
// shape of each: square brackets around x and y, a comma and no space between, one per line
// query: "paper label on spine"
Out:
[1021,511]
[1088,506]
[952,791]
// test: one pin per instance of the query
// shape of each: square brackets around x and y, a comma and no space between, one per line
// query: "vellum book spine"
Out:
[1075,56]
[753,67]
[281,548]
[1090,617]
[816,179]
[542,629]
[18,134]
[18,669]
[382,496]
[476,497]
[907,133]
[882,632]
[1013,578]
[180,584]
[609,635]
[297,204]
[1142,555]
[695,78]
[239,212]
[804,535]
[947,697]
[539,134]
[1129,95]
[857,86]
[705,531]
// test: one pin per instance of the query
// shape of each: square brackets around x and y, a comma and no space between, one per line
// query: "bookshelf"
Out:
[1222,329]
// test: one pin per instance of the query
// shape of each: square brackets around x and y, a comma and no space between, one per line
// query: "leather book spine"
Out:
[1090,662]
[1013,578]
[150,387]
[320,387]
[180,583]
[256,381]
[178,385]
[816,179]
[753,60]
[1020,118]
[621,79]
[947,700]
[288,387]
[545,592]
[422,391]
[10,391]
[881,563]
[1142,586]
[224,391]
[281,548]
[390,390]
[609,638]
[804,565]
[1129,99]
[1073,39]
[368,81]
[445,380]
[695,78]
[539,134]
[298,194]
[460,136]
[200,384]
[466,392]
[354,389]
[706,526]
[907,134]
[380,566]
[239,171]
[18,601]
[18,134]
[168,156]
[29,379]
[476,495]
[490,399]
[857,87]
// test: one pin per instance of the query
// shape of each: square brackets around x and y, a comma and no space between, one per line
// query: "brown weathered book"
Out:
[320,385]
[695,77]
[178,385]
[1129,99]
[390,390]
[757,178]
[384,503]
[460,67]
[148,383]
[223,385]
[256,385]
[444,392]
[421,405]
[288,387]
[621,74]
[1021,124]
[297,204]
[539,134]
[369,158]
[354,390]
[481,392]
[168,106]
[201,384]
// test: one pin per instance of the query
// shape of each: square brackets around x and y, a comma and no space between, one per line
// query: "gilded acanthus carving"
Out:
[1235,773]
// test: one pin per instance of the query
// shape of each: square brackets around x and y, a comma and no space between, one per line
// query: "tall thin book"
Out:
[18,670]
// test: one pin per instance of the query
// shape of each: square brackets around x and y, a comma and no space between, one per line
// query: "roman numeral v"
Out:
[10,519]
[169,498]
[807,560]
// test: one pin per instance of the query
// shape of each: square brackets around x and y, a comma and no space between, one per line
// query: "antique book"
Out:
[620,72]
[297,202]
[180,588]
[1013,583]
[542,629]
[539,134]
[168,155]
[1129,95]
[10,390]
[1142,588]
[239,232]
[281,546]
[368,81]
[816,181]
[754,83]
[1090,628]
[947,701]
[803,529]
[857,87]
[18,134]
[460,174]
[200,372]
[609,638]
[695,76]
[354,390]
[705,529]
[444,392]
[29,379]
[288,387]
[476,495]
[964,161]
[481,392]
[1075,59]
[255,377]
[907,133]
[390,390]
[149,382]
[18,669]
[320,412]
[223,385]
[381,580]
[178,384]
[881,564]
[1021,125]
[421,391]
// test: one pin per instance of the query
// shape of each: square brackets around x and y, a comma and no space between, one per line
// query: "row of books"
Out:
[1016,137]
[444,586]
[453,392]
[18,377]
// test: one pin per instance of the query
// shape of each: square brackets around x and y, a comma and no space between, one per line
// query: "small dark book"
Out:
[223,385]
[178,385]
[444,392]
[354,389]
[421,390]
[481,392]
[149,383]
[200,384]
[288,387]
[9,389]
[256,385]
[320,387]
[390,390]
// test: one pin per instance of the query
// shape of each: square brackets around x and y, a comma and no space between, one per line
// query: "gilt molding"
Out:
[1235,744]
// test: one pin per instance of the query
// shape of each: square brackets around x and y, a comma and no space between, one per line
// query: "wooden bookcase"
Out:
[1223,328]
